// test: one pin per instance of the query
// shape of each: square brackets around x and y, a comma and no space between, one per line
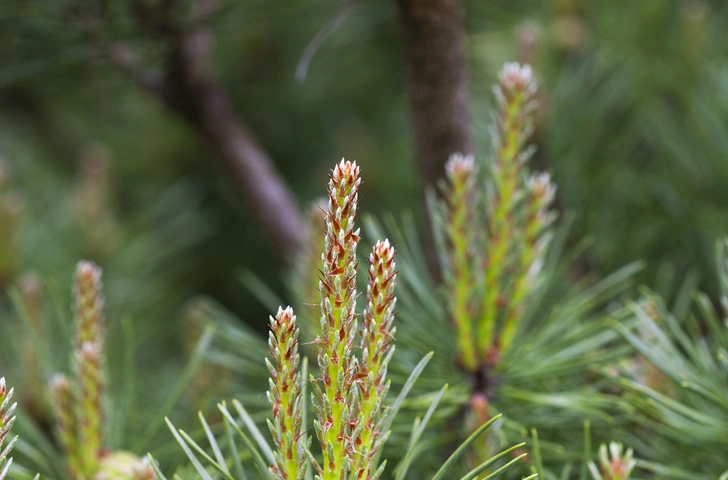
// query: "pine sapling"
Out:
[495,240]
[351,423]
[349,395]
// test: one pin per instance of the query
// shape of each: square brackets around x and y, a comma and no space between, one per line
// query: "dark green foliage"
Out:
[632,127]
[682,401]
[635,130]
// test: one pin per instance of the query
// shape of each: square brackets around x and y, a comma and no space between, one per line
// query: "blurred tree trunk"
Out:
[199,99]
[188,87]
[434,38]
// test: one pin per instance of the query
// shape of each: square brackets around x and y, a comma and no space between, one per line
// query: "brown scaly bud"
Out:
[63,406]
[461,276]
[479,407]
[376,343]
[7,419]
[338,322]
[515,95]
[618,467]
[284,396]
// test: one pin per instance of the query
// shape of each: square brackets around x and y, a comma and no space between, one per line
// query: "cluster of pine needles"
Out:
[508,368]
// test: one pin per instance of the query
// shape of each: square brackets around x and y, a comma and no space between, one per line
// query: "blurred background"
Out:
[96,164]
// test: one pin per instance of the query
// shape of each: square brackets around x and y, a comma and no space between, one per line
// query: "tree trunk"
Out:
[435,56]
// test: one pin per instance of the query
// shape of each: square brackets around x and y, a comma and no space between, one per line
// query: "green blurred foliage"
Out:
[633,118]
[58,93]
[636,131]
[632,126]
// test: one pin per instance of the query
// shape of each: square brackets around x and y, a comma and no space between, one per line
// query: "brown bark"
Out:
[189,88]
[435,55]
[201,101]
